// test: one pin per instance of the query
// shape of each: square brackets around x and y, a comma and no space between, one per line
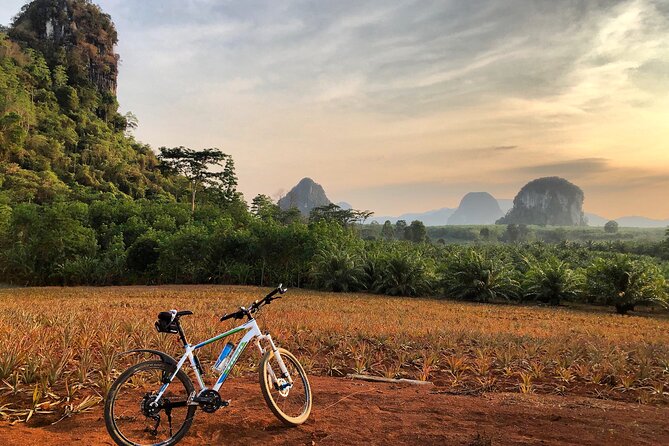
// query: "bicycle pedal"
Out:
[225,403]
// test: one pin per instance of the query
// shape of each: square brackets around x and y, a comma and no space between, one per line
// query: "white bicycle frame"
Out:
[253,333]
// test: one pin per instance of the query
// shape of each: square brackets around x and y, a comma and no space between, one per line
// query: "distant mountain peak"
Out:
[306,181]
[476,208]
[305,196]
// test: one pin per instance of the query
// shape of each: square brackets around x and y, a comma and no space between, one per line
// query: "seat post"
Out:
[182,335]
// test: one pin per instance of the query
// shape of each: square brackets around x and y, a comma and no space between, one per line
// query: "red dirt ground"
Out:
[348,412]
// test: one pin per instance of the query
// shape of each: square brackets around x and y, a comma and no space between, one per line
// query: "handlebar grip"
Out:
[280,289]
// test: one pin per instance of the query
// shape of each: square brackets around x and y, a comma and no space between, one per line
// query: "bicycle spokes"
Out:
[140,416]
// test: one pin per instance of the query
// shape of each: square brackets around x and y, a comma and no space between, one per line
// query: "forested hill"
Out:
[61,134]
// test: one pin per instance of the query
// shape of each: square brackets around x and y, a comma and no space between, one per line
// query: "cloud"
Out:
[632,35]
[581,167]
[384,102]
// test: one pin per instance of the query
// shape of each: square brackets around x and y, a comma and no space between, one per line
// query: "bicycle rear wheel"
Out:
[290,403]
[132,419]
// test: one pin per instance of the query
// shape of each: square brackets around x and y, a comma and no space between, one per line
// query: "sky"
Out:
[405,106]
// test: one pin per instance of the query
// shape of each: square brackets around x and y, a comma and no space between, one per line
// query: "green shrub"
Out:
[234,272]
[144,253]
[184,256]
[611,227]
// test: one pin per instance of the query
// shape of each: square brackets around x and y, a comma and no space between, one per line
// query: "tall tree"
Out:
[388,232]
[400,226]
[263,207]
[611,227]
[344,217]
[196,167]
[415,232]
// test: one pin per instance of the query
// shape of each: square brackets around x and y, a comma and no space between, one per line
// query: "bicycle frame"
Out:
[253,333]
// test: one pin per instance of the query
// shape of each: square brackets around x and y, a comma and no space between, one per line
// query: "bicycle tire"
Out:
[268,388]
[110,421]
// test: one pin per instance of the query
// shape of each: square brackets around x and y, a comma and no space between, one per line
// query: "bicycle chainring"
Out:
[209,401]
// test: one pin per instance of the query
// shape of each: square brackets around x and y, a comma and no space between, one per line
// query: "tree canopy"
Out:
[334,213]
[196,166]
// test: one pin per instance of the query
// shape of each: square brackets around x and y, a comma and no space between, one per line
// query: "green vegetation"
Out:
[332,212]
[625,282]
[611,227]
[646,241]
[336,270]
[61,136]
[82,202]
[196,166]
[472,275]
[405,272]
[551,281]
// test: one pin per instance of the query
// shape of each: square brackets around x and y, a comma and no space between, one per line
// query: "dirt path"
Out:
[350,412]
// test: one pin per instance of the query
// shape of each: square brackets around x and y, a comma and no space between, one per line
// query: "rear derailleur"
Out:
[151,409]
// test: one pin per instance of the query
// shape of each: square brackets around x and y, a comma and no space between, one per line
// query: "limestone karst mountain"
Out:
[476,208]
[60,127]
[75,34]
[305,196]
[547,201]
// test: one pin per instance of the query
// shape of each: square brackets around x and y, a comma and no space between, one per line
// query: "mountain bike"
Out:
[154,402]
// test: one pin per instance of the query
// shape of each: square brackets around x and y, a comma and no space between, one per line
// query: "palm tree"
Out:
[471,276]
[625,282]
[373,265]
[405,274]
[338,270]
[551,281]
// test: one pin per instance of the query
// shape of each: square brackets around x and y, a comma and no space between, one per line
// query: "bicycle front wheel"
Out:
[290,403]
[133,416]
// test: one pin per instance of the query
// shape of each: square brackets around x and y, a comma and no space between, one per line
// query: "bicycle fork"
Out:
[284,371]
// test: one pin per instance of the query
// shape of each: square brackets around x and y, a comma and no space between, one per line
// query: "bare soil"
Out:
[351,412]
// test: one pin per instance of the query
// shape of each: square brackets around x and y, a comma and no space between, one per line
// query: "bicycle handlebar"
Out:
[236,315]
[239,314]
[280,289]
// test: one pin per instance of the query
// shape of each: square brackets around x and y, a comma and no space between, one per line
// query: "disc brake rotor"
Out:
[284,387]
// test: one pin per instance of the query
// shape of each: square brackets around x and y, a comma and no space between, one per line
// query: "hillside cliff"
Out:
[60,130]
[73,33]
[305,196]
[547,201]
